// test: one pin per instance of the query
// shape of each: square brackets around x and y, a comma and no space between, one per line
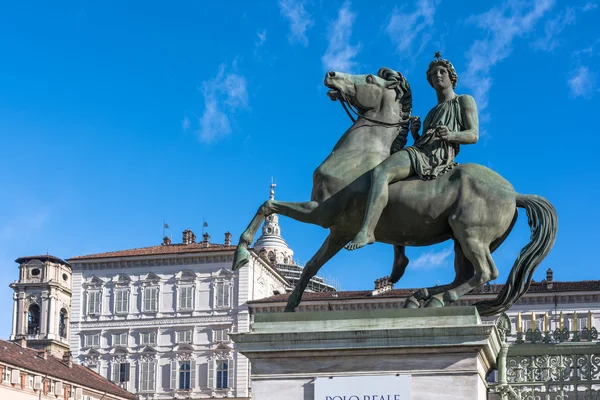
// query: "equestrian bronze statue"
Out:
[374,188]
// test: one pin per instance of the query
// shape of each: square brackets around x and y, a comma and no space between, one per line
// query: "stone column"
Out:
[44,314]
[51,316]
[15,318]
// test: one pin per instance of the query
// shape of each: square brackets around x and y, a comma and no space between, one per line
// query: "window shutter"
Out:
[15,377]
[211,374]
[115,372]
[37,382]
[192,374]
[58,388]
[230,373]
[174,375]
[78,393]
[127,370]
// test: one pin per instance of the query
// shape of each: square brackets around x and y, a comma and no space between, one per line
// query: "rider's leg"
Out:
[394,168]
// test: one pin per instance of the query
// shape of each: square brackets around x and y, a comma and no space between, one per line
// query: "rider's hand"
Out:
[444,133]
[415,126]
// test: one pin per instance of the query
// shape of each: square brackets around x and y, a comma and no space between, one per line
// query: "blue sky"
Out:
[116,116]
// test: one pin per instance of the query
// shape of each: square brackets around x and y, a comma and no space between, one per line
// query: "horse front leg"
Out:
[332,245]
[301,211]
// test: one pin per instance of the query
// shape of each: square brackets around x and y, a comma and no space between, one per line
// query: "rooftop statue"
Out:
[373,188]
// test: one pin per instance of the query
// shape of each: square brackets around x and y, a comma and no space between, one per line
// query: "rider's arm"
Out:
[470,133]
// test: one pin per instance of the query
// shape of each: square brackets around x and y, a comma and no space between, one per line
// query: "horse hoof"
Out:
[412,302]
[434,302]
[240,258]
[422,294]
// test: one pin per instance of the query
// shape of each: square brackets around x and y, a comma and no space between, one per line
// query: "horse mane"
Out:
[404,97]
[404,93]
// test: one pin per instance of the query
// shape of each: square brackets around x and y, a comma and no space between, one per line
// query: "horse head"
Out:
[385,97]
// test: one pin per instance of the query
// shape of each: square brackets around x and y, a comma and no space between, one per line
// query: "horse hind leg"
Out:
[464,270]
[400,263]
[478,253]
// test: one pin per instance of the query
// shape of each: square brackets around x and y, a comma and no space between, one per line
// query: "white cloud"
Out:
[411,31]
[553,28]
[582,82]
[185,124]
[501,26]
[340,53]
[299,20]
[262,38]
[589,6]
[432,259]
[223,95]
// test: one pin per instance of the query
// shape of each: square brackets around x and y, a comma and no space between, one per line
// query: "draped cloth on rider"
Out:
[432,156]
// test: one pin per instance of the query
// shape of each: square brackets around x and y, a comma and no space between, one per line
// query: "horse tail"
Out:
[543,223]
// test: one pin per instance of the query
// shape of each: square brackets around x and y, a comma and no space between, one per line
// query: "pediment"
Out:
[92,353]
[148,350]
[183,348]
[151,277]
[94,281]
[223,273]
[186,275]
[223,347]
[122,279]
[119,351]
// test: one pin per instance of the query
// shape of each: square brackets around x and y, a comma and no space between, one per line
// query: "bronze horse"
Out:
[471,204]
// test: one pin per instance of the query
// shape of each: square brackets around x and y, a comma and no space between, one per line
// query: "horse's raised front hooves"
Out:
[412,302]
[240,258]
[434,302]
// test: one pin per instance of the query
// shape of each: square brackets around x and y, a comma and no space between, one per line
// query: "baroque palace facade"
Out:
[155,320]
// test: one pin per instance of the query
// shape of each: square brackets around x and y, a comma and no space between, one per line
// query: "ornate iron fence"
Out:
[547,365]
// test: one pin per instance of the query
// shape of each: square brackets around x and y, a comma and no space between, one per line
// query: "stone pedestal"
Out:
[447,352]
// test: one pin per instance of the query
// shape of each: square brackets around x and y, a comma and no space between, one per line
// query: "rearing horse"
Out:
[471,204]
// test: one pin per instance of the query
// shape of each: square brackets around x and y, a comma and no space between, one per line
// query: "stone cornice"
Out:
[398,302]
[153,261]
[154,322]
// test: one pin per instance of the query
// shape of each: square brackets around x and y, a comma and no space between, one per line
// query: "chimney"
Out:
[549,275]
[206,239]
[166,241]
[67,360]
[227,239]
[43,354]
[188,237]
[382,285]
[21,341]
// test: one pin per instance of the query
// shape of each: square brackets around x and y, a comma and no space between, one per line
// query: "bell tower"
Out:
[42,304]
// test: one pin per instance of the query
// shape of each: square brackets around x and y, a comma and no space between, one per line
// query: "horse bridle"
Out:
[347,105]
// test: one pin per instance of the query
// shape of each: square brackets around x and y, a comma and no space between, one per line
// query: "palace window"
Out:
[150,299]
[221,335]
[185,298]
[120,372]
[120,339]
[223,294]
[184,336]
[33,320]
[92,340]
[147,376]
[121,301]
[183,375]
[94,298]
[148,338]
[220,374]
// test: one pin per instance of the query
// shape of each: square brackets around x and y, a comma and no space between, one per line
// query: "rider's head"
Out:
[439,61]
